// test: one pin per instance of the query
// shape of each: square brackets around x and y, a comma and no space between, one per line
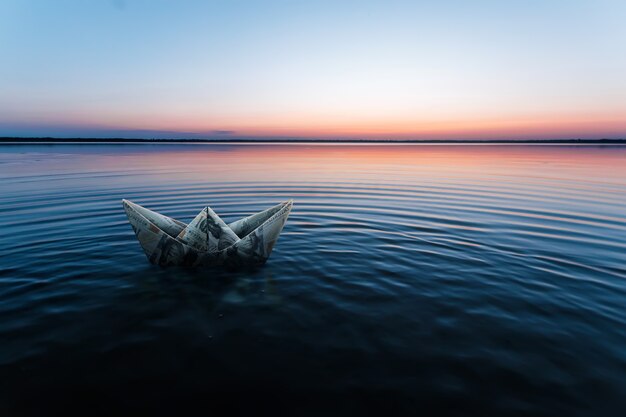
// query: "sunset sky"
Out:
[318,69]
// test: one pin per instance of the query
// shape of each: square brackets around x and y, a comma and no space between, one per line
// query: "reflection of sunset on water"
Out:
[341,162]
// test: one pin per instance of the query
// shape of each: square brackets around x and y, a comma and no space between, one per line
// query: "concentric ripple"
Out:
[470,280]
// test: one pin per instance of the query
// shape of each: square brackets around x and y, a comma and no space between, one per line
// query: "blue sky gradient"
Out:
[328,69]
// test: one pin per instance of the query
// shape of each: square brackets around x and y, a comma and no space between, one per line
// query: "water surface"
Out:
[469,280]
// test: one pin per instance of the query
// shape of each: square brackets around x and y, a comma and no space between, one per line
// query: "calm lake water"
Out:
[409,279]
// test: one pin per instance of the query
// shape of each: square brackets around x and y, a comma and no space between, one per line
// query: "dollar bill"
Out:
[208,232]
[207,240]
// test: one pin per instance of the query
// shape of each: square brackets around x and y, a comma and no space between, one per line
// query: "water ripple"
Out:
[493,277]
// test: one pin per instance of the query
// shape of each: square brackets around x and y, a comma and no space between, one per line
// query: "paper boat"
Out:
[207,240]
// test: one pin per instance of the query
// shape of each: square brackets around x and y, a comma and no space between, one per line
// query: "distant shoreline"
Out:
[52,141]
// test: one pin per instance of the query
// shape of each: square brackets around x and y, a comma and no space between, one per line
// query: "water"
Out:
[460,280]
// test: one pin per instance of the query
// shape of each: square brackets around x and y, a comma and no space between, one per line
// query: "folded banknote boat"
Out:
[207,240]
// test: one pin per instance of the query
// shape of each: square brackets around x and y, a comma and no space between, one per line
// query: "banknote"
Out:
[207,240]
[208,232]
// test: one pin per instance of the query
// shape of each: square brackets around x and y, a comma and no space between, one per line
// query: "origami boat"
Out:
[207,240]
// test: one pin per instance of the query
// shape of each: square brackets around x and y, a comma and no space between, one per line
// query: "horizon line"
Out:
[52,140]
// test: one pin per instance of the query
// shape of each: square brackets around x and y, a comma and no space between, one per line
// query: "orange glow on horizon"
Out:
[334,126]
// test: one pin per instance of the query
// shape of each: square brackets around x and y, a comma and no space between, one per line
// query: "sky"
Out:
[388,69]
